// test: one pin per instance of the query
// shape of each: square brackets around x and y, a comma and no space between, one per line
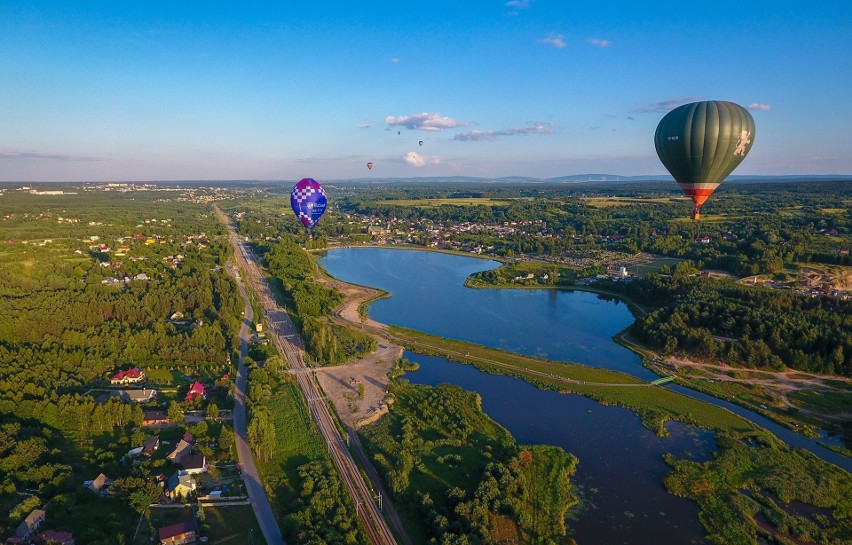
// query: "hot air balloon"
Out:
[702,143]
[370,165]
[420,142]
[308,202]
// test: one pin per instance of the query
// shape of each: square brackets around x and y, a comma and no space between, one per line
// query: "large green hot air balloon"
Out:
[701,143]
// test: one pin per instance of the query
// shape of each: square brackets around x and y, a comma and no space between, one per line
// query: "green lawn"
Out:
[235,525]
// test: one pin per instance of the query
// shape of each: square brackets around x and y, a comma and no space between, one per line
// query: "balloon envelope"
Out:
[370,165]
[308,202]
[420,142]
[702,143]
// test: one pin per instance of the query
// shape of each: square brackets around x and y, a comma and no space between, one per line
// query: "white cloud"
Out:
[760,107]
[665,105]
[395,60]
[424,122]
[554,40]
[417,160]
[517,4]
[479,136]
[598,42]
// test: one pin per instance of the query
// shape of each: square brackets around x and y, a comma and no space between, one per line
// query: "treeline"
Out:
[456,471]
[764,226]
[326,342]
[743,325]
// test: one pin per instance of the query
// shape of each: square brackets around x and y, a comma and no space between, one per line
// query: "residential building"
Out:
[182,533]
[193,464]
[99,485]
[182,449]
[28,527]
[150,446]
[131,376]
[180,485]
[138,396]
[155,418]
[196,392]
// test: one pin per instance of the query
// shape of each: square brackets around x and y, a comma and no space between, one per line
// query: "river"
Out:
[620,471]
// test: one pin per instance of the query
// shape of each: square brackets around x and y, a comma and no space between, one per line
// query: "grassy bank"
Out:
[654,404]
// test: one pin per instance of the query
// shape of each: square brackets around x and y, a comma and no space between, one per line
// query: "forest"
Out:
[743,325]
[74,309]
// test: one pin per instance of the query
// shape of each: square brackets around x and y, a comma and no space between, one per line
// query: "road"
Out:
[287,340]
[254,486]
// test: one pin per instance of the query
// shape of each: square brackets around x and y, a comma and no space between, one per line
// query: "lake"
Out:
[620,473]
[428,294]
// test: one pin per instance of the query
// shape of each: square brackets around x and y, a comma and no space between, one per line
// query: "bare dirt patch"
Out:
[358,389]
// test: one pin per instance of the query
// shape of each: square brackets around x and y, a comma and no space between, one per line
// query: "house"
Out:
[180,485]
[56,537]
[196,392]
[182,449]
[131,376]
[155,418]
[193,464]
[179,534]
[27,528]
[99,484]
[138,396]
[178,315]
[150,446]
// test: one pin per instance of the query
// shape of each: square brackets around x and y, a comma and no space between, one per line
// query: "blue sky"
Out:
[160,90]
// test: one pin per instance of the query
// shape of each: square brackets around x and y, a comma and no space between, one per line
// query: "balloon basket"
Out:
[696,213]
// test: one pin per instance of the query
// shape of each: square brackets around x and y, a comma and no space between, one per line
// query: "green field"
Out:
[653,266]
[431,203]
[603,202]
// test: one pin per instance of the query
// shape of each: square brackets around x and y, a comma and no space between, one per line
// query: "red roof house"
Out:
[178,534]
[196,391]
[130,376]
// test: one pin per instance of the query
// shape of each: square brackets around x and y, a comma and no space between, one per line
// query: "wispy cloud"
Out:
[630,118]
[417,160]
[517,4]
[760,107]
[553,40]
[365,126]
[665,105]
[599,42]
[17,155]
[480,136]
[424,122]
[395,60]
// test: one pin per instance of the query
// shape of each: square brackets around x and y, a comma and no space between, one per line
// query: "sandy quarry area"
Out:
[341,383]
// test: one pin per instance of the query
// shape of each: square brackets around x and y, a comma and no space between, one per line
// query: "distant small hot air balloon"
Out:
[370,165]
[420,142]
[702,143]
[398,132]
[308,202]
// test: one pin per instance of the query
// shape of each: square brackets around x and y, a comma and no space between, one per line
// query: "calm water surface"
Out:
[621,469]
[428,294]
[619,478]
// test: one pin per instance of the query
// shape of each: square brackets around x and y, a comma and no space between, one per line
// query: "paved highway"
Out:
[259,501]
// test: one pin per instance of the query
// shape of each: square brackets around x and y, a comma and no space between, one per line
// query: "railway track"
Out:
[289,343]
